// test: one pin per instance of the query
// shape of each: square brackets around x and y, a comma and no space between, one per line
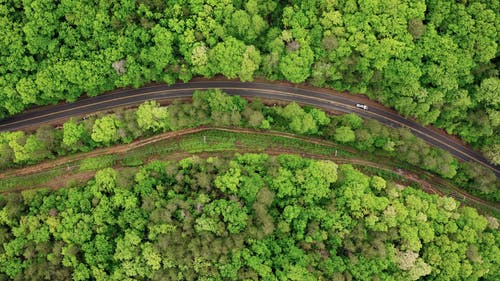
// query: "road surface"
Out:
[327,101]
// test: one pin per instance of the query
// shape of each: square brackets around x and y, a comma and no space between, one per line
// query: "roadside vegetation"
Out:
[217,140]
[433,60]
[218,109]
[249,217]
[125,195]
[70,171]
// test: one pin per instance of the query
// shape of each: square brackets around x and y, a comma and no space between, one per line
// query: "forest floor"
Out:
[220,141]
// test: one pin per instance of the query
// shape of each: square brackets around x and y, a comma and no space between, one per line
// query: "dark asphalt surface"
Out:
[124,97]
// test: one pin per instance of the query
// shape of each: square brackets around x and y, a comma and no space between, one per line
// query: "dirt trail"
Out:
[121,149]
[60,182]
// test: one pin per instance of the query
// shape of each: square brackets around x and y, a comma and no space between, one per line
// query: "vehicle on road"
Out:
[363,106]
[129,97]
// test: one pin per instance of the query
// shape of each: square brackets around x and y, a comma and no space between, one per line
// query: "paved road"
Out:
[319,99]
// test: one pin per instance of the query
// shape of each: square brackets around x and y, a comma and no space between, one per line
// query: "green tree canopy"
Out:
[151,117]
[105,130]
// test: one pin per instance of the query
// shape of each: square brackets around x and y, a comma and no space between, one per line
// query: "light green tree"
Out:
[344,134]
[105,130]
[151,117]
[296,65]
[250,63]
[72,133]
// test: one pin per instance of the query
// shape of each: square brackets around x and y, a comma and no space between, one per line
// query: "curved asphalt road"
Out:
[326,101]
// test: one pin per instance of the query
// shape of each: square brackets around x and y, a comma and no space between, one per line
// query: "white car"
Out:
[363,106]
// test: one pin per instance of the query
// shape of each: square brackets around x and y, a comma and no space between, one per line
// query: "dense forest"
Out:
[250,217]
[215,108]
[433,60]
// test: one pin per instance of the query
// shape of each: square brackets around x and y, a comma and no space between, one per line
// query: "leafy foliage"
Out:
[105,130]
[214,107]
[433,60]
[150,116]
[286,218]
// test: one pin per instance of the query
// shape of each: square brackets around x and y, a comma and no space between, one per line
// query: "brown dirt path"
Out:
[60,182]
[121,149]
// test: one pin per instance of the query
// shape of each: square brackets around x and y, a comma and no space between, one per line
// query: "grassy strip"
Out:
[206,141]
[213,141]
[387,175]
[97,163]
[12,183]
